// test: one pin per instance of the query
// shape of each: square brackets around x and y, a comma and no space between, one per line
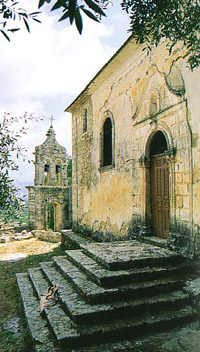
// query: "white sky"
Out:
[42,72]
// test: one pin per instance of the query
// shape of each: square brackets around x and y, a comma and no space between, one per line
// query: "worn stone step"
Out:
[83,312]
[132,327]
[73,240]
[93,293]
[124,255]
[72,335]
[129,327]
[108,278]
[59,322]
[89,290]
[75,306]
[43,340]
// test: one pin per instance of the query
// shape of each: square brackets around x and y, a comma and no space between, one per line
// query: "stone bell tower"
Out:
[49,200]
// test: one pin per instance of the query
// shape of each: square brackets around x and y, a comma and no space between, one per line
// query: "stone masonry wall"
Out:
[51,189]
[143,94]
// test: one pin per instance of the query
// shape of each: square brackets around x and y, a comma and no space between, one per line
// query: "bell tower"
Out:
[49,200]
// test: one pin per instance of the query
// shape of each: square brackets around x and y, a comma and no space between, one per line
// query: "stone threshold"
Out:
[157,241]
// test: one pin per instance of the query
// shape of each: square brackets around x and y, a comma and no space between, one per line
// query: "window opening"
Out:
[46,174]
[107,142]
[85,121]
[58,174]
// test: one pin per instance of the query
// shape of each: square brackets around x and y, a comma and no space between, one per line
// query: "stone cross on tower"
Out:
[52,119]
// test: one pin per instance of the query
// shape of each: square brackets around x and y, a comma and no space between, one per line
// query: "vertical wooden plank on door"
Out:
[160,196]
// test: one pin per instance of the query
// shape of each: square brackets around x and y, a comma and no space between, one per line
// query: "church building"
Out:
[49,200]
[136,149]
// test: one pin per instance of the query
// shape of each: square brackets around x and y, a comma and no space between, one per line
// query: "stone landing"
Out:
[109,292]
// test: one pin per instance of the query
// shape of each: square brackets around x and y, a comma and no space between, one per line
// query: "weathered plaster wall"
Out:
[143,94]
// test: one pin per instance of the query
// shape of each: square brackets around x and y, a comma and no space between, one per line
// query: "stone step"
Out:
[93,293]
[123,255]
[107,278]
[74,305]
[43,340]
[82,312]
[69,334]
[73,240]
[59,322]
[132,327]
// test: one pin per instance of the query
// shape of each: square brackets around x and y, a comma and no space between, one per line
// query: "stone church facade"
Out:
[49,200]
[136,149]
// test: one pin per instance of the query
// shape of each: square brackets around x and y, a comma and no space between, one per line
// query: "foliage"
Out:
[176,20]
[72,10]
[9,12]
[150,20]
[11,203]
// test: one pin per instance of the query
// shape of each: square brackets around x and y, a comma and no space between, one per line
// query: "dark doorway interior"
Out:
[50,217]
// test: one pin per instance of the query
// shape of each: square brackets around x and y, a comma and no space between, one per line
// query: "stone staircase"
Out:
[109,292]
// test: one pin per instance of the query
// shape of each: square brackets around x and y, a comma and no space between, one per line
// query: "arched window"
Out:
[107,143]
[46,174]
[85,121]
[58,174]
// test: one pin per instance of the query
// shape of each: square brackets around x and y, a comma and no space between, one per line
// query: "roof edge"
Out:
[68,109]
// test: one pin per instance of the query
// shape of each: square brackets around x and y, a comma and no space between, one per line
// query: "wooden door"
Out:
[160,196]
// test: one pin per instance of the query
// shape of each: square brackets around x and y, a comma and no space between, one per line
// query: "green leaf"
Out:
[58,4]
[78,20]
[90,14]
[66,15]
[14,29]
[26,24]
[35,19]
[41,3]
[34,13]
[24,14]
[72,8]
[95,7]
[5,35]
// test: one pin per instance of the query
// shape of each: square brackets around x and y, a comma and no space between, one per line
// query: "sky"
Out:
[41,73]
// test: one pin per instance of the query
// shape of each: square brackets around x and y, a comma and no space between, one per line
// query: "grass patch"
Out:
[10,304]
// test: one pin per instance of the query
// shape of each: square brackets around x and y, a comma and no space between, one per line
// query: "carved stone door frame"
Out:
[145,163]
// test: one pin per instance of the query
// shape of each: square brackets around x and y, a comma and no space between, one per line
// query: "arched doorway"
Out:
[159,179]
[50,217]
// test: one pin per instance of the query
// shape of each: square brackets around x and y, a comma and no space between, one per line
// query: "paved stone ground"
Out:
[12,257]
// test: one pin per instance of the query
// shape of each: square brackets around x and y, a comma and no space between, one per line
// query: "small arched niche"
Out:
[154,106]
